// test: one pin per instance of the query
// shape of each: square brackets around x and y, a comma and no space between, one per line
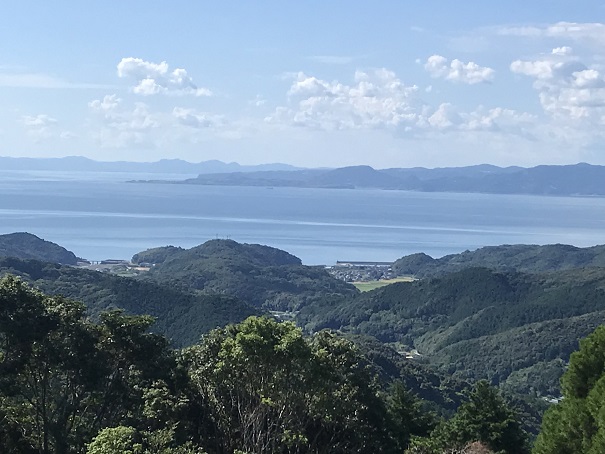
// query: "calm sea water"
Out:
[100,215]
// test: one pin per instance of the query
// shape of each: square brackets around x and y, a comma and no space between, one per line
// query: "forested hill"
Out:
[461,322]
[565,180]
[180,315]
[27,246]
[262,276]
[520,257]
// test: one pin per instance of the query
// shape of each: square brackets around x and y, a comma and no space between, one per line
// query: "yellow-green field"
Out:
[371,285]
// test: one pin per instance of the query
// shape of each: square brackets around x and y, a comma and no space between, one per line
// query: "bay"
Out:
[101,215]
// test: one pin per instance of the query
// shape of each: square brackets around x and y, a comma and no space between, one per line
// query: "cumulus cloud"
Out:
[108,104]
[39,127]
[500,119]
[376,99]
[154,78]
[564,50]
[470,73]
[117,124]
[559,64]
[120,127]
[379,100]
[444,117]
[38,121]
[567,88]
[194,119]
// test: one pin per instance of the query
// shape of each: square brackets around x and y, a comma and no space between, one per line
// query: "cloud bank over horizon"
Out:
[520,94]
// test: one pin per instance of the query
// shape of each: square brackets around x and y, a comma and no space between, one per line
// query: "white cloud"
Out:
[194,119]
[118,127]
[258,101]
[43,127]
[444,117]
[593,33]
[376,99]
[154,78]
[568,90]
[565,50]
[108,104]
[379,100]
[559,64]
[587,78]
[457,71]
[41,120]
[503,120]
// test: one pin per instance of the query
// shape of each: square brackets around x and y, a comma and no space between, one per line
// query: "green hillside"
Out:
[262,276]
[520,257]
[477,323]
[180,315]
[27,246]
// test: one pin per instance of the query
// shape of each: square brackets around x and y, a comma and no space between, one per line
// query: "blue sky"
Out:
[384,83]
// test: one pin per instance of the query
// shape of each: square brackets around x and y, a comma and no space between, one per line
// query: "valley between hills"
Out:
[510,315]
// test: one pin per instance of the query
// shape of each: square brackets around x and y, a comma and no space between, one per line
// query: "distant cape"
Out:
[567,180]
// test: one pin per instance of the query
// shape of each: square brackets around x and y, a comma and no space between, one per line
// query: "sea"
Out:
[102,215]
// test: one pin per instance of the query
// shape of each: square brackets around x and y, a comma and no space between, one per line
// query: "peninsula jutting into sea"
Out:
[564,180]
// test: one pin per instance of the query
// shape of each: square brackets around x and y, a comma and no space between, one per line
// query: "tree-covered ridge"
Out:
[27,246]
[476,323]
[519,257]
[182,316]
[69,385]
[262,276]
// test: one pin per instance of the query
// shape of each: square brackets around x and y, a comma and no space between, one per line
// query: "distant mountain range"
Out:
[579,179]
[81,164]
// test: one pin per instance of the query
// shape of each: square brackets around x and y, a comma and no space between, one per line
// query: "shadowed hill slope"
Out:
[520,257]
[181,316]
[27,246]
[476,323]
[259,275]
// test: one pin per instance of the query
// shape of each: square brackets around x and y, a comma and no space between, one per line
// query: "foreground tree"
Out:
[484,418]
[408,416]
[271,390]
[63,378]
[577,424]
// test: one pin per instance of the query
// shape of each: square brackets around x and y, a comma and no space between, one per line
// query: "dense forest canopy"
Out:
[407,367]
[69,385]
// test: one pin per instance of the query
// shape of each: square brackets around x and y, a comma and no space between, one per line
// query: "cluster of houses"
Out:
[357,271]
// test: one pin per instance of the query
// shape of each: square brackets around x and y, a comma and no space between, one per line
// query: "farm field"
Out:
[366,286]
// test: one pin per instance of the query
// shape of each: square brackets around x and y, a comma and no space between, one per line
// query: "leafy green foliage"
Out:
[577,423]
[268,388]
[484,424]
[486,417]
[409,415]
[64,378]
[68,384]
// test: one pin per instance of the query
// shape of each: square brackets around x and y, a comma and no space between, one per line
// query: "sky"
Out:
[313,83]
